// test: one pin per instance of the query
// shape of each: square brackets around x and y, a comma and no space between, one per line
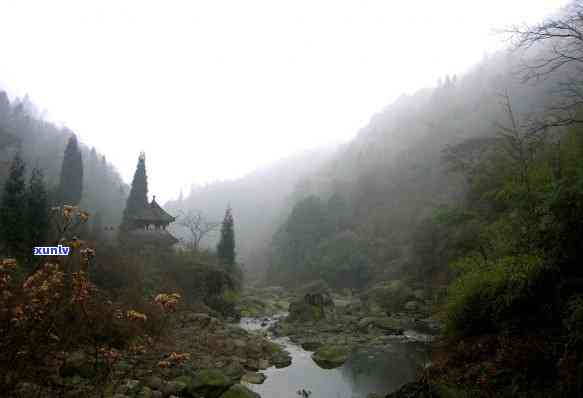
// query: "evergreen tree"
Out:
[71,183]
[37,210]
[226,245]
[13,209]
[138,197]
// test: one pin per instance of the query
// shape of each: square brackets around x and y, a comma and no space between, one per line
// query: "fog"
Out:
[213,90]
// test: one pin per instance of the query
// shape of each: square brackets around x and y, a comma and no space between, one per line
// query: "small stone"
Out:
[146,392]
[154,382]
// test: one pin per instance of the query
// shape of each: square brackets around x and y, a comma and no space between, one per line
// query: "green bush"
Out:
[393,296]
[487,299]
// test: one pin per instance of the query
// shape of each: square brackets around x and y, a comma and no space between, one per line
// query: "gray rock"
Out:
[253,378]
[154,382]
[145,392]
[78,363]
[210,383]
[412,306]
[173,387]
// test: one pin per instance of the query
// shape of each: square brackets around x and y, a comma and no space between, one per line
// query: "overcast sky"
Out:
[213,89]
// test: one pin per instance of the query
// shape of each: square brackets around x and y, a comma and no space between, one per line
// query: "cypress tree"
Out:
[13,209]
[71,183]
[37,210]
[138,197]
[226,245]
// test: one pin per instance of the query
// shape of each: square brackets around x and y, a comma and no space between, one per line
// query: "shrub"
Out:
[393,296]
[489,298]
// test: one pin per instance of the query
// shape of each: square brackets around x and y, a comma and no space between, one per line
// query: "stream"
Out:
[374,369]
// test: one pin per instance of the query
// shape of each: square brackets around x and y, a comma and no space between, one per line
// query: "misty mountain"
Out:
[260,201]
[378,195]
[42,144]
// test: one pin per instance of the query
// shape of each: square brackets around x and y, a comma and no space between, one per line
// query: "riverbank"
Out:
[200,356]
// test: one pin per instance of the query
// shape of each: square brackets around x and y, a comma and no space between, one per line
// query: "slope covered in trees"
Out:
[380,193]
[258,201]
[42,146]
[473,190]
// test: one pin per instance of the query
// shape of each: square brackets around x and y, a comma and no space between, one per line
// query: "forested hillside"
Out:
[259,202]
[378,196]
[42,145]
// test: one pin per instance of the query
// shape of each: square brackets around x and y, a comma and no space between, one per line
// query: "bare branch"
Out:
[197,225]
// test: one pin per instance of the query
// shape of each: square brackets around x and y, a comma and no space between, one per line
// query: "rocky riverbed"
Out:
[341,347]
[334,344]
[201,356]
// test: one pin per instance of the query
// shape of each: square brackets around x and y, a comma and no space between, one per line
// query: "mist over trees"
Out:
[42,146]
[259,200]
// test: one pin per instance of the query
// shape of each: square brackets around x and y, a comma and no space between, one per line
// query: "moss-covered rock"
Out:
[282,359]
[253,378]
[210,383]
[240,391]
[331,356]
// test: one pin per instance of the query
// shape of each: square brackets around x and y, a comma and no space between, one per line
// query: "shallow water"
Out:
[382,369]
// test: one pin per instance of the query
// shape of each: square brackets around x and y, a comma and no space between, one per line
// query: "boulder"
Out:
[145,392]
[78,363]
[386,324]
[331,356]
[210,383]
[174,387]
[154,382]
[234,370]
[240,391]
[313,307]
[253,378]
[130,387]
[281,359]
[311,345]
[412,306]
[199,320]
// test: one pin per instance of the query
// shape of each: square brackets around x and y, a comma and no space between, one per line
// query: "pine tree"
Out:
[71,183]
[138,197]
[13,210]
[37,210]
[226,246]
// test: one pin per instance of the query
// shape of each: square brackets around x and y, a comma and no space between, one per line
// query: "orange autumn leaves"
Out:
[168,302]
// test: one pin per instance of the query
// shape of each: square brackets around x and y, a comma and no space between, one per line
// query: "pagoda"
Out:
[144,223]
[149,227]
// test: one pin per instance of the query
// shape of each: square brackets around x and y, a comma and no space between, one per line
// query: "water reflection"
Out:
[383,370]
[367,370]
